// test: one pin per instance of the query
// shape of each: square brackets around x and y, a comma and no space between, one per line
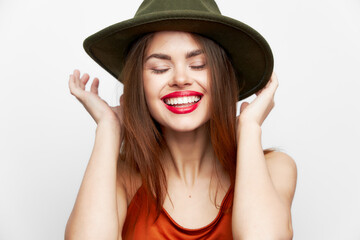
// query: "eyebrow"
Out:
[167,57]
[194,53]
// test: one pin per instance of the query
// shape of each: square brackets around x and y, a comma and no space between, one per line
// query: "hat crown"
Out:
[248,51]
[156,6]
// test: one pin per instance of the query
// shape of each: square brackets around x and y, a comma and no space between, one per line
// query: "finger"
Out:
[83,80]
[274,82]
[74,90]
[266,87]
[95,86]
[76,75]
[243,106]
[269,82]
[76,72]
[121,99]
[71,82]
[258,92]
[275,79]
[271,86]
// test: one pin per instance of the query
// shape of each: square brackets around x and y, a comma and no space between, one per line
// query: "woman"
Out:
[173,161]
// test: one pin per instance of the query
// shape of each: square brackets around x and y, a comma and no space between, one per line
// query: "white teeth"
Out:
[182,100]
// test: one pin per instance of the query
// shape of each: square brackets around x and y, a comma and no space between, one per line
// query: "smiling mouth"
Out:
[182,102]
[179,102]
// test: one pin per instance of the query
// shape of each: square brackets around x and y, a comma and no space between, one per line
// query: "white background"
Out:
[46,136]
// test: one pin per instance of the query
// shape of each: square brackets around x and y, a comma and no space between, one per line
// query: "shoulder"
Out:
[283,172]
[280,159]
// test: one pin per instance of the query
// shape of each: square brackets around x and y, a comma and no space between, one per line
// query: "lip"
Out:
[182,110]
[182,94]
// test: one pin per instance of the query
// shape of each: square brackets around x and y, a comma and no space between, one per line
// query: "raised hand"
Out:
[257,111]
[99,110]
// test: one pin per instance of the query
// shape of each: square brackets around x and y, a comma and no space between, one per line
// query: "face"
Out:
[176,81]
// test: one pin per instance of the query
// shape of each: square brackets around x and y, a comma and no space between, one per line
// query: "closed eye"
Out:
[199,67]
[159,71]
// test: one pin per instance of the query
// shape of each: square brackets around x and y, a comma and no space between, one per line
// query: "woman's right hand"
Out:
[99,110]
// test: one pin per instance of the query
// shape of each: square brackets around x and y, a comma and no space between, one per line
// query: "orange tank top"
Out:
[140,221]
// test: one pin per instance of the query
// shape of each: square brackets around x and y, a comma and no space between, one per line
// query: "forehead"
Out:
[171,41]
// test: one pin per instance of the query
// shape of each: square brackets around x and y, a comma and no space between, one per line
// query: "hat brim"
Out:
[248,50]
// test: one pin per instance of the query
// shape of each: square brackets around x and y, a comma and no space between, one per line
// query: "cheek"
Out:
[148,95]
[150,88]
[151,92]
[204,80]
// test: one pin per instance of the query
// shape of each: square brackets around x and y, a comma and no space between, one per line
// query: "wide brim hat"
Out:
[248,51]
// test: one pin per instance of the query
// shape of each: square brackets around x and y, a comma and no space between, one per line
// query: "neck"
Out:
[190,155]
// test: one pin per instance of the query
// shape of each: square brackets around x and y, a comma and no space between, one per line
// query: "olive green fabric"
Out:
[248,50]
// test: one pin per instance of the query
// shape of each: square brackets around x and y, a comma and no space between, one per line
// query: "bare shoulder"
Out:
[283,172]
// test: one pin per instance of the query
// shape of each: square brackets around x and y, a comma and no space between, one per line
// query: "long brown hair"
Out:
[224,93]
[143,144]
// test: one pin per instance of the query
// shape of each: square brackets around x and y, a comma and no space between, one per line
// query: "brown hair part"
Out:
[142,142]
[224,93]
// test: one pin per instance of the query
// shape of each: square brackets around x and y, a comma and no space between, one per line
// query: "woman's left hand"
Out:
[257,111]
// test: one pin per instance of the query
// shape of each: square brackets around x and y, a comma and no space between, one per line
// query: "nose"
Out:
[181,77]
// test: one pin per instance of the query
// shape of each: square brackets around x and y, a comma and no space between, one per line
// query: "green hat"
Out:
[248,50]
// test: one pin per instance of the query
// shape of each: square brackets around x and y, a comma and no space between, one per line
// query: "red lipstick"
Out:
[185,109]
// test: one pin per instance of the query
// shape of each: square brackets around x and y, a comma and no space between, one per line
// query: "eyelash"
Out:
[159,71]
[155,71]
[198,67]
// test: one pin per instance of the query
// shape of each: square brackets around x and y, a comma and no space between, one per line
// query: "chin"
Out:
[184,126]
